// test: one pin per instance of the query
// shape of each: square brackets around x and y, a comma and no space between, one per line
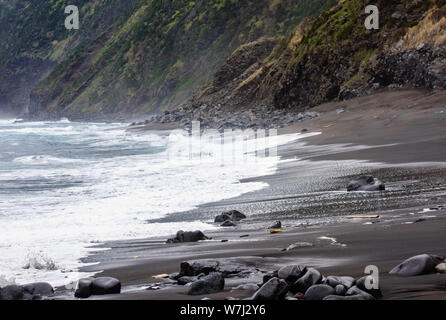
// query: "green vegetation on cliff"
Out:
[160,54]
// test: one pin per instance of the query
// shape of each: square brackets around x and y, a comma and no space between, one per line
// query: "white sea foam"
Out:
[47,232]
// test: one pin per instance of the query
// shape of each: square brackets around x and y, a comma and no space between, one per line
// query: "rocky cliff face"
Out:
[332,56]
[163,52]
[34,40]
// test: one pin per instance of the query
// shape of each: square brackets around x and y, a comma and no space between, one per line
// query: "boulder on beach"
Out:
[188,236]
[83,289]
[39,288]
[186,280]
[211,283]
[274,289]
[291,273]
[361,284]
[366,183]
[12,292]
[340,290]
[233,215]
[310,278]
[334,281]
[318,292]
[105,285]
[417,265]
[353,291]
[206,266]
[228,223]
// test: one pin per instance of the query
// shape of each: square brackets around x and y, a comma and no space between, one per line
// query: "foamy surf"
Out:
[65,187]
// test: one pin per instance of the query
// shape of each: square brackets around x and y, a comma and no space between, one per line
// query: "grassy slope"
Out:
[164,51]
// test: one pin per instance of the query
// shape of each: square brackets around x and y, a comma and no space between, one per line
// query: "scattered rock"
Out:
[310,278]
[365,183]
[207,266]
[292,273]
[228,223]
[185,280]
[441,268]
[353,291]
[191,236]
[334,281]
[12,292]
[39,288]
[318,292]
[105,285]
[250,287]
[347,298]
[83,289]
[268,276]
[222,218]
[211,283]
[361,284]
[274,289]
[340,290]
[418,265]
[235,215]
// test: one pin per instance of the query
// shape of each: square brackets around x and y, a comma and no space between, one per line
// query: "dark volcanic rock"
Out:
[310,278]
[207,266]
[222,218]
[190,236]
[318,292]
[274,289]
[365,183]
[12,292]
[353,291]
[334,281]
[39,288]
[291,273]
[211,283]
[185,280]
[83,289]
[268,276]
[235,215]
[347,298]
[105,285]
[418,265]
[340,290]
[228,223]
[361,284]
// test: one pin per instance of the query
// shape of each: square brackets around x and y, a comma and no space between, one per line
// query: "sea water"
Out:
[66,186]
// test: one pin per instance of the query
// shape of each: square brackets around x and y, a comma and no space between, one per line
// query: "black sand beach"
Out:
[396,136]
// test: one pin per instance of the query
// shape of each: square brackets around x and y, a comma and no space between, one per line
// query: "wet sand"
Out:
[397,136]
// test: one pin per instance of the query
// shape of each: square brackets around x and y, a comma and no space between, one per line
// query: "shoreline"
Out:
[364,242]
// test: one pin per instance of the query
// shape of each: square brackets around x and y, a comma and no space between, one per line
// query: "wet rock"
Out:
[356,291]
[365,183]
[276,225]
[211,283]
[235,215]
[347,298]
[361,284]
[105,285]
[228,223]
[291,273]
[190,236]
[207,266]
[334,281]
[39,288]
[186,280]
[418,265]
[340,290]
[318,292]
[250,287]
[274,289]
[268,276]
[12,292]
[441,268]
[83,289]
[222,218]
[310,278]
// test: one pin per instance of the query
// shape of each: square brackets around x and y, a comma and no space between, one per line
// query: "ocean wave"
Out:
[39,261]
[43,160]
